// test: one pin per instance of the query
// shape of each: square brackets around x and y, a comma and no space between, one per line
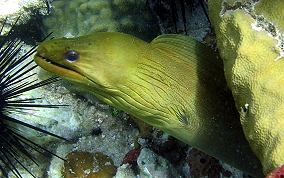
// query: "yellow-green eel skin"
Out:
[174,83]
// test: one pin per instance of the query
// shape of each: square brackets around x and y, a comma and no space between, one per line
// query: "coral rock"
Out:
[250,40]
[89,165]
[152,165]
[75,18]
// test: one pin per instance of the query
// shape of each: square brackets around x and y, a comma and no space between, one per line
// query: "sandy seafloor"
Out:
[77,122]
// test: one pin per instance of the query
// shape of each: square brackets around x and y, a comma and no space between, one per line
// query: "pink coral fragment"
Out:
[277,173]
[131,156]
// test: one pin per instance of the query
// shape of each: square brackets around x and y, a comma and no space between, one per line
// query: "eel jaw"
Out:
[58,69]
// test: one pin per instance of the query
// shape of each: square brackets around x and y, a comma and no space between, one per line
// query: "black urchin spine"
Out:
[14,81]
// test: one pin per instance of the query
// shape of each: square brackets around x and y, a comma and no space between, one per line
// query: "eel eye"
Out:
[72,56]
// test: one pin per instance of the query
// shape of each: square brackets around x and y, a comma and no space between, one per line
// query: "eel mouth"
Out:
[57,69]
[61,70]
[52,62]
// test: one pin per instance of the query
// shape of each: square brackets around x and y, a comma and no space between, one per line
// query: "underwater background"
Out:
[103,141]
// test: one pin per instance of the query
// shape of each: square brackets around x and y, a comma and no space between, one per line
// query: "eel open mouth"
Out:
[57,69]
[51,62]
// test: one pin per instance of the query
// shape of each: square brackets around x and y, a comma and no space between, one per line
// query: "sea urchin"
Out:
[15,79]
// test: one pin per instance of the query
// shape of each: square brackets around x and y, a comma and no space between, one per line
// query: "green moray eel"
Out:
[174,83]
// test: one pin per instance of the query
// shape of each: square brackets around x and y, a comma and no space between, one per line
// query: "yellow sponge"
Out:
[249,37]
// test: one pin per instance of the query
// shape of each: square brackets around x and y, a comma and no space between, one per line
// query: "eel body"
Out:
[174,83]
